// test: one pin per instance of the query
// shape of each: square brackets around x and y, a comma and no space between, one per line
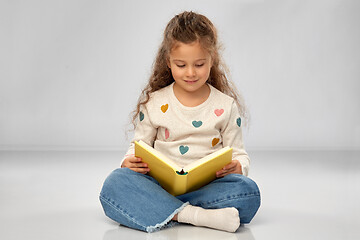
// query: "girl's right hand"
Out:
[135,164]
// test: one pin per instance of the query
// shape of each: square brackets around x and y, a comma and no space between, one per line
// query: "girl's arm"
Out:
[232,136]
[144,131]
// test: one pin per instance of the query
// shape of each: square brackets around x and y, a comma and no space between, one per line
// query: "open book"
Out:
[177,180]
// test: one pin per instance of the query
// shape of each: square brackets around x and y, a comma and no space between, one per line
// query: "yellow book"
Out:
[177,180]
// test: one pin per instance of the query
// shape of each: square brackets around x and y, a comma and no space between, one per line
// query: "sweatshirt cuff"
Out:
[244,166]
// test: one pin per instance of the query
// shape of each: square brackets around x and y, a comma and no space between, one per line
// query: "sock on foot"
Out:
[226,219]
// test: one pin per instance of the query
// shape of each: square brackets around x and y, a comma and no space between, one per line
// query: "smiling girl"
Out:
[188,110]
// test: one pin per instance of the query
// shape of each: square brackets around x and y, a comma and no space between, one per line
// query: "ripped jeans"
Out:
[138,201]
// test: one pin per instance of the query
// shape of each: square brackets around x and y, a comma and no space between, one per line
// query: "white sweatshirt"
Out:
[185,134]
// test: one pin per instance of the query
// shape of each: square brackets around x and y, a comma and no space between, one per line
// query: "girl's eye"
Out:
[180,66]
[199,65]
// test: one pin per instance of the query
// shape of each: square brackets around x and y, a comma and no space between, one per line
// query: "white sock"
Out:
[226,219]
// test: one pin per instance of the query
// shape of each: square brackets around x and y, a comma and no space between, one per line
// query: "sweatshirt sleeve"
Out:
[232,136]
[144,131]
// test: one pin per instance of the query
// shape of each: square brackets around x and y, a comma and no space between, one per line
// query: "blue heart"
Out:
[197,123]
[183,149]
[238,122]
[141,116]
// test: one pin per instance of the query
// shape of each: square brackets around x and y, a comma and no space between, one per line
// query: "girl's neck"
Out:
[192,99]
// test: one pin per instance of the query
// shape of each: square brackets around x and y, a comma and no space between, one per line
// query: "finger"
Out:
[135,160]
[130,160]
[136,165]
[235,168]
[230,166]
[221,173]
[141,170]
[229,170]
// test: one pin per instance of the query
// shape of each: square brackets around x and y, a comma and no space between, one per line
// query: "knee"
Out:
[115,180]
[246,187]
[249,196]
[243,185]
[124,180]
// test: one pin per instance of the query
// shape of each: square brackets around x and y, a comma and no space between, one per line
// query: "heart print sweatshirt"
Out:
[185,134]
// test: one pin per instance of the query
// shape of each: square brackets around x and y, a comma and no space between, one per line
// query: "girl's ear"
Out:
[168,63]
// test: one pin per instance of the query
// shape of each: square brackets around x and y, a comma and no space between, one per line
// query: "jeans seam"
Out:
[117,209]
[233,197]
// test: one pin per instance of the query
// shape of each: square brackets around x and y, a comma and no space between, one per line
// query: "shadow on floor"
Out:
[179,232]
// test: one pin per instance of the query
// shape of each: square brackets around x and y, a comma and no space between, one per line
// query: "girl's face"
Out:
[190,66]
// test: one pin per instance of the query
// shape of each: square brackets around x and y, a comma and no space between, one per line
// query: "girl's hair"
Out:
[188,27]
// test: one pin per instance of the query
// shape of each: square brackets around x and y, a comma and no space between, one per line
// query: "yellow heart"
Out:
[215,141]
[164,108]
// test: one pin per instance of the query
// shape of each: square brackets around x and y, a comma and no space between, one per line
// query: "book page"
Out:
[160,156]
[207,158]
[204,171]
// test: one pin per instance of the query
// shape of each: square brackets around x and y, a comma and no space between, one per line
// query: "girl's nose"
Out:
[190,71]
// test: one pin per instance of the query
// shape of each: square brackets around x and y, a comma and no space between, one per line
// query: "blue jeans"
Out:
[138,201]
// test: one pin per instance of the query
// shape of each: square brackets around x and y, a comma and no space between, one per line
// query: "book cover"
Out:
[177,180]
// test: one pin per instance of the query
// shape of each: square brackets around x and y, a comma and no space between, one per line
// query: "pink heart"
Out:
[219,112]
[167,134]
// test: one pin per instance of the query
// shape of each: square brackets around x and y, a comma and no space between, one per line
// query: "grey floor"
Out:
[54,195]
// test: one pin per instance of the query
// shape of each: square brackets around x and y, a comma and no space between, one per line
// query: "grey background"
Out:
[71,71]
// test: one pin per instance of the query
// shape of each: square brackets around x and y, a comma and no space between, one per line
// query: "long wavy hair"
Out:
[188,27]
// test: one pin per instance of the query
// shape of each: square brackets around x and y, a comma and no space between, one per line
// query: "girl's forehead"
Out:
[188,50]
[177,44]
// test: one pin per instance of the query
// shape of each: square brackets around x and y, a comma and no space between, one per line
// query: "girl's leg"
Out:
[233,190]
[138,201]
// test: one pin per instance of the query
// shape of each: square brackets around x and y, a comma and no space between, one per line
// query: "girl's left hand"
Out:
[233,167]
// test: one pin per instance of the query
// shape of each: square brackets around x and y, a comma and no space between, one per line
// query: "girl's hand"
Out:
[233,167]
[135,164]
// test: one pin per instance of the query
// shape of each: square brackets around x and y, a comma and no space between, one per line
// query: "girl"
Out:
[187,110]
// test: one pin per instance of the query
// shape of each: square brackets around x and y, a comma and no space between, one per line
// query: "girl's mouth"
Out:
[191,81]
